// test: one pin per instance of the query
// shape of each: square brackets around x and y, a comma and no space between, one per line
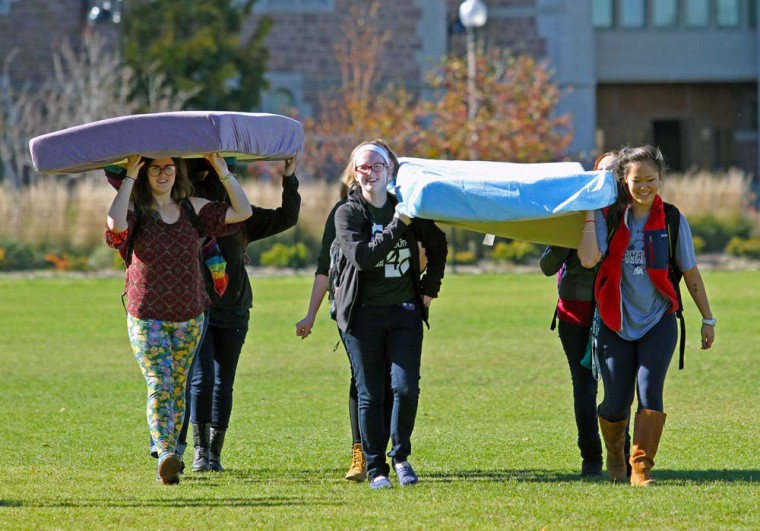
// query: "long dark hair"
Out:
[142,196]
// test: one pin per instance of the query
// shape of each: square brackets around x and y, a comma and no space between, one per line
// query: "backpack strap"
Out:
[673,224]
[188,207]
[132,235]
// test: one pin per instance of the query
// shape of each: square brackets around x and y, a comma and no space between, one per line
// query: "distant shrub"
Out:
[716,232]
[699,244]
[463,258]
[517,251]
[19,256]
[749,248]
[283,255]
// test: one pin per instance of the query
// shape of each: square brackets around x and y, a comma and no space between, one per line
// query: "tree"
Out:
[515,120]
[198,44]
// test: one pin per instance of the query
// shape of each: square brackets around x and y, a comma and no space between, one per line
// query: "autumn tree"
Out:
[515,115]
[198,44]
[515,118]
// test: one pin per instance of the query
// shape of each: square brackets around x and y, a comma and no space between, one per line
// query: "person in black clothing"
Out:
[381,302]
[575,310]
[214,371]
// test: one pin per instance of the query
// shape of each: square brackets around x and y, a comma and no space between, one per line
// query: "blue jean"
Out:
[213,377]
[574,340]
[629,366]
[382,336]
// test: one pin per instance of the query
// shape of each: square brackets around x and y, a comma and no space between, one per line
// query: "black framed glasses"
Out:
[169,170]
[366,168]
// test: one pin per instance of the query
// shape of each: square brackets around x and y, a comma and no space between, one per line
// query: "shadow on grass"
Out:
[10,503]
[691,477]
[264,501]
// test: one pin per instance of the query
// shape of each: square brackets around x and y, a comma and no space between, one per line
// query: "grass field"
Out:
[494,444]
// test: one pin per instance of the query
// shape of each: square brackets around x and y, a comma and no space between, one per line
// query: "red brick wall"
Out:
[35,28]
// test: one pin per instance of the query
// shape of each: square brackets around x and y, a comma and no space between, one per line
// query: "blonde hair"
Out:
[348,177]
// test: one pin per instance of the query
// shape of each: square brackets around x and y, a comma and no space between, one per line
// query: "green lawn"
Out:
[494,444]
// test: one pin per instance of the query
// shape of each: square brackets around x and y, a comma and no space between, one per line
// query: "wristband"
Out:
[226,177]
[590,221]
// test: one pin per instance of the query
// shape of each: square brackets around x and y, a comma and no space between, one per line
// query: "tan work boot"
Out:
[358,470]
[614,441]
[647,431]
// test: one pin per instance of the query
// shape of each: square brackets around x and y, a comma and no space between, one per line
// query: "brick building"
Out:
[682,74]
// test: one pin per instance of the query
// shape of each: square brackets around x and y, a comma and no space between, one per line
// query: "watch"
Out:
[710,322]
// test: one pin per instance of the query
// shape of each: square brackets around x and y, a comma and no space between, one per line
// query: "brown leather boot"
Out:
[358,470]
[647,430]
[614,440]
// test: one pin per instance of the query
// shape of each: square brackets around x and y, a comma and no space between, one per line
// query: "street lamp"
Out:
[473,14]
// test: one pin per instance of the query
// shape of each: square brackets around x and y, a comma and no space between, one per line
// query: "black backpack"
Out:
[672,223]
[337,265]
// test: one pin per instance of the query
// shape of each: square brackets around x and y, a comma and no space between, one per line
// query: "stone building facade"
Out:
[683,75]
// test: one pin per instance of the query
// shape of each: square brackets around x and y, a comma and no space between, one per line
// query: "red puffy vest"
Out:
[656,249]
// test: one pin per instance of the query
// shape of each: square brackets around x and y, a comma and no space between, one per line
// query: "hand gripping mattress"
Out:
[246,136]
[541,203]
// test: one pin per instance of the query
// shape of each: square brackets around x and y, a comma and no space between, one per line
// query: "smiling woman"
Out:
[637,300]
[149,223]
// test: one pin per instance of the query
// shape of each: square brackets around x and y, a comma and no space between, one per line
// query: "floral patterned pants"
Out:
[164,350]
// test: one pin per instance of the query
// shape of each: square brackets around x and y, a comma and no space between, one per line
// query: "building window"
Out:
[664,13]
[601,13]
[697,13]
[727,13]
[301,6]
[5,6]
[632,13]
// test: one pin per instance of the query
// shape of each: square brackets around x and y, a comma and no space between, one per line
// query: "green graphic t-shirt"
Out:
[390,281]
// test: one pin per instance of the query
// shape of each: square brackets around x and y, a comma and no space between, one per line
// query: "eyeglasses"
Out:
[155,171]
[366,168]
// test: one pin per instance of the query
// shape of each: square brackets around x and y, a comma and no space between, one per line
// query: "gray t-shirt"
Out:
[643,305]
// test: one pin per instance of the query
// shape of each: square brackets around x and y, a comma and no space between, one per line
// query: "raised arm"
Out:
[117,214]
[588,248]
[240,208]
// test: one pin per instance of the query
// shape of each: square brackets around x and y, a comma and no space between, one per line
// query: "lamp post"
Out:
[473,14]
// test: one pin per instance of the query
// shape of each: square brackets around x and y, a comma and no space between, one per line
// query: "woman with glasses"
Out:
[381,302]
[357,471]
[166,297]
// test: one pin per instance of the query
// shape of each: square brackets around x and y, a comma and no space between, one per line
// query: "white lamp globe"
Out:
[473,13]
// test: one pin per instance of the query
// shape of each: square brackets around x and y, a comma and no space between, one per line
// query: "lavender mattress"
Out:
[246,136]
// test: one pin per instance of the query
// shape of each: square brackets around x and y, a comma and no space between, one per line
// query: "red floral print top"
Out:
[163,281]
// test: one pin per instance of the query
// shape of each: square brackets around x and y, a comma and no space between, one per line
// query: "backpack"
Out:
[337,265]
[215,275]
[672,224]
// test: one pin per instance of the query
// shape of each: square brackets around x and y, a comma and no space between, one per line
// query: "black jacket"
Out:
[353,228]
[232,308]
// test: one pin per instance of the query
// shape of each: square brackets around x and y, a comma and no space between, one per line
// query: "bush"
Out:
[749,248]
[18,256]
[462,258]
[716,232]
[283,255]
[517,251]
[699,244]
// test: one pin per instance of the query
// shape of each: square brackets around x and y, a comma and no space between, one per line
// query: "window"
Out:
[727,13]
[5,6]
[632,13]
[301,6]
[697,13]
[601,13]
[664,13]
